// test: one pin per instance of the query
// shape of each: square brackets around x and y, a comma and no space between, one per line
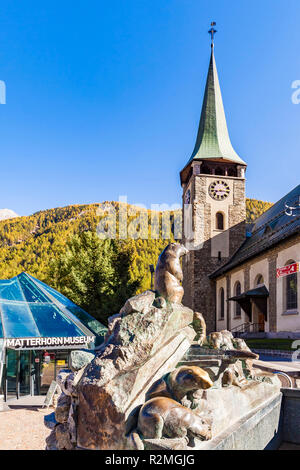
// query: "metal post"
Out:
[151,267]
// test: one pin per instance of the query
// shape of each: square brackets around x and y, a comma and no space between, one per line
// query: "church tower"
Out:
[214,205]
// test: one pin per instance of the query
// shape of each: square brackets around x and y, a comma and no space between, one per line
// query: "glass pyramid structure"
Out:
[30,308]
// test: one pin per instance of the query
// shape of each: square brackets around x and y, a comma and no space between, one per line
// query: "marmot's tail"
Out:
[239,354]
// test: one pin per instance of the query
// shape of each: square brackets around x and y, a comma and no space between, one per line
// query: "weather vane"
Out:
[212,32]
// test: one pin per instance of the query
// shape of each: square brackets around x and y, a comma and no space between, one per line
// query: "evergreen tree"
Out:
[94,274]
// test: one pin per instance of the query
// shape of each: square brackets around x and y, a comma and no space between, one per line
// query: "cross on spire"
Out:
[212,32]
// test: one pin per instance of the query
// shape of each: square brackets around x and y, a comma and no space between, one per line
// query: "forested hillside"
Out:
[32,243]
[255,208]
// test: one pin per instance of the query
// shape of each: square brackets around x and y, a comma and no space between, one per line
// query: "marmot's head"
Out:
[191,378]
[176,249]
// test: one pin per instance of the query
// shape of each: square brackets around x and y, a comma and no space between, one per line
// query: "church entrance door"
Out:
[261,322]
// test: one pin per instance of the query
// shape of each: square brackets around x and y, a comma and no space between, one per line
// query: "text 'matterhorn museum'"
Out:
[38,329]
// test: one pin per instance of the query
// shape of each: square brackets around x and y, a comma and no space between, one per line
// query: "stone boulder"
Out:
[79,359]
[63,408]
[50,421]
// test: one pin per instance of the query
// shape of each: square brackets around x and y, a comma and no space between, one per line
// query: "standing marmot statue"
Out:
[168,273]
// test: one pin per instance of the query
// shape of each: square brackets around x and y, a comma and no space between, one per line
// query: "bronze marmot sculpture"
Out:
[199,326]
[179,382]
[163,417]
[171,389]
[168,273]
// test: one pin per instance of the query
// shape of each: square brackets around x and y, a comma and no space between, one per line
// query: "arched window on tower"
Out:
[232,172]
[291,290]
[205,170]
[222,303]
[238,291]
[219,221]
[219,171]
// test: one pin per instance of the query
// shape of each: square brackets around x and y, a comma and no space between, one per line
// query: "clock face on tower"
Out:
[219,190]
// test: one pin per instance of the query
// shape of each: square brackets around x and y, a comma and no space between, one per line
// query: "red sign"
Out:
[287,270]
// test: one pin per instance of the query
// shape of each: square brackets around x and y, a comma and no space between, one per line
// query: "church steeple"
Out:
[213,141]
[213,204]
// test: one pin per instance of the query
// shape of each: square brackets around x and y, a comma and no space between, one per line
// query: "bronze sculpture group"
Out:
[150,382]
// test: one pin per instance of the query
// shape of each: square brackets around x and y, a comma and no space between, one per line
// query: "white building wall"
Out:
[287,320]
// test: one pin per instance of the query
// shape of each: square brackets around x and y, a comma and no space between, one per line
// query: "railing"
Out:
[247,328]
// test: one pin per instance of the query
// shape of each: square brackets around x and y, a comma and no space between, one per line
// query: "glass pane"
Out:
[30,291]
[36,361]
[10,290]
[90,322]
[57,295]
[61,361]
[87,320]
[222,303]
[47,371]
[24,373]
[1,329]
[18,321]
[238,310]
[51,322]
[11,373]
[2,361]
[291,292]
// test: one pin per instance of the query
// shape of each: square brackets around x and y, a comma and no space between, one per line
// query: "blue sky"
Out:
[104,97]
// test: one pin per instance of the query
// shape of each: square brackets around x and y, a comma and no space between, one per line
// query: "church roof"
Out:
[213,140]
[31,308]
[272,227]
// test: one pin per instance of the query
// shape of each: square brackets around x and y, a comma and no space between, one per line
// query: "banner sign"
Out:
[287,270]
[44,343]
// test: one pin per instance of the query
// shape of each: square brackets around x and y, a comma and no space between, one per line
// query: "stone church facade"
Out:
[230,273]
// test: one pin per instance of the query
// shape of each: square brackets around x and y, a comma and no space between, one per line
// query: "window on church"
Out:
[291,290]
[219,221]
[238,291]
[259,280]
[222,303]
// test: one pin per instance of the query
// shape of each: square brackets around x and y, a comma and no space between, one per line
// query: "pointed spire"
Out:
[213,140]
